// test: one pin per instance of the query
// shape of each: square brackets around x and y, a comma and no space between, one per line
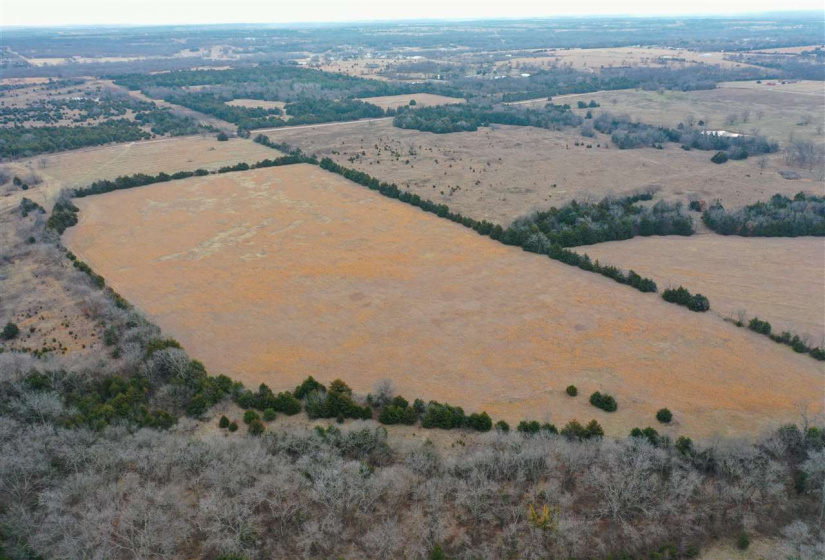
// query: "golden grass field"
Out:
[275,274]
[508,171]
[421,100]
[775,111]
[776,279]
[79,168]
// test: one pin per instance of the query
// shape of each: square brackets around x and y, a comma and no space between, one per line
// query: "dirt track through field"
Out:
[275,274]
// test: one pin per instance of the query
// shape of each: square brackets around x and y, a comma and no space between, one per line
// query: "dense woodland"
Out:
[628,134]
[611,219]
[468,117]
[779,217]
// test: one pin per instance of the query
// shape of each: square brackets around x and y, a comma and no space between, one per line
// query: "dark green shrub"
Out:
[648,433]
[245,400]
[287,403]
[572,391]
[699,303]
[574,430]
[110,336]
[309,385]
[681,296]
[743,541]
[270,414]
[502,426]
[549,428]
[762,327]
[695,206]
[10,331]
[480,422]
[250,416]
[233,427]
[256,427]
[593,429]
[719,157]
[222,137]
[664,416]
[443,416]
[333,403]
[393,414]
[223,423]
[800,478]
[684,445]
[528,427]
[604,402]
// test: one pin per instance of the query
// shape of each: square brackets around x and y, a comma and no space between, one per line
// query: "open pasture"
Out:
[275,274]
[503,172]
[776,279]
[421,100]
[79,168]
[256,103]
[595,59]
[740,107]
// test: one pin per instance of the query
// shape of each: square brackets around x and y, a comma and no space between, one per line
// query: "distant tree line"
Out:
[274,82]
[444,119]
[29,141]
[786,337]
[779,217]
[627,134]
[142,179]
[611,219]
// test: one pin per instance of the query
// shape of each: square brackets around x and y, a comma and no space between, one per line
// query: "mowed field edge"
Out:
[275,274]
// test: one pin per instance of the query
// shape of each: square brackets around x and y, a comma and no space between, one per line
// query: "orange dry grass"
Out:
[272,275]
[779,280]
[79,168]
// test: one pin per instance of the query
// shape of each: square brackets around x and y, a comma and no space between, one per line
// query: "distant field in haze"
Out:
[773,110]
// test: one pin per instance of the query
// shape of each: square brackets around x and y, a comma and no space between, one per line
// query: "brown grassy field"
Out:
[253,103]
[39,295]
[421,100]
[78,168]
[595,59]
[779,280]
[275,274]
[774,111]
[504,172]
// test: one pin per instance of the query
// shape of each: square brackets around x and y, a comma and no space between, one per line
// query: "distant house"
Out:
[722,133]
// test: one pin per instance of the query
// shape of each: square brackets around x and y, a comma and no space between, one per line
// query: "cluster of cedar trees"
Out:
[785,337]
[444,119]
[26,141]
[779,217]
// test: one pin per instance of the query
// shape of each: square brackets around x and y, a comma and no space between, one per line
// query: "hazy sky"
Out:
[74,12]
